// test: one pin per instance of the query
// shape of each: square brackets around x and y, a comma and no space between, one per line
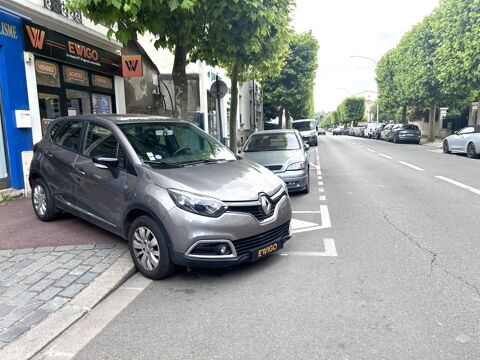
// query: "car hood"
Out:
[266,158]
[240,180]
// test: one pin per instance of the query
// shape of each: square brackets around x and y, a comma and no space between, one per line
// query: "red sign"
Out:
[132,66]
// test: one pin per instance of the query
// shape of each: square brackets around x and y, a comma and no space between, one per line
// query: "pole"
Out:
[219,113]
[378,119]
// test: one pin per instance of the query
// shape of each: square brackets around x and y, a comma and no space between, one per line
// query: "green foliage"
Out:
[354,109]
[292,88]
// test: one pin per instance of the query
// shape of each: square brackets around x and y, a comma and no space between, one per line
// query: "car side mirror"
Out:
[105,162]
[456,132]
[306,146]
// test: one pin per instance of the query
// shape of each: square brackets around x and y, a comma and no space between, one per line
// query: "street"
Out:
[383,263]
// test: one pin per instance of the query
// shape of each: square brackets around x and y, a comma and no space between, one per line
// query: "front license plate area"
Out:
[266,250]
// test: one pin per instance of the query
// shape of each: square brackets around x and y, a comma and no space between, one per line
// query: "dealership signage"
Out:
[8,30]
[49,43]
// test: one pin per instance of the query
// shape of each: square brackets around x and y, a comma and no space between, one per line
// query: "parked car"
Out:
[386,130]
[370,129]
[337,131]
[361,131]
[466,141]
[345,131]
[175,193]
[307,128]
[321,131]
[351,131]
[405,133]
[284,153]
[377,131]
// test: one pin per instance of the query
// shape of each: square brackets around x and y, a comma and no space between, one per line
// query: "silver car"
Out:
[465,141]
[175,193]
[284,153]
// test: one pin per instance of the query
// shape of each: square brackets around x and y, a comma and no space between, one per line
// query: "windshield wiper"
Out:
[205,161]
[162,163]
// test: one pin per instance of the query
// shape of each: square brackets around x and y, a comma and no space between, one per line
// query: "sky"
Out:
[354,27]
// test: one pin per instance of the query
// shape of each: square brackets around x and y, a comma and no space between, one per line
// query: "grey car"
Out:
[174,192]
[284,153]
[404,133]
[307,129]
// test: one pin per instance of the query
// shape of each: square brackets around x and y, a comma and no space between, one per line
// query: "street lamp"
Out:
[344,89]
[376,63]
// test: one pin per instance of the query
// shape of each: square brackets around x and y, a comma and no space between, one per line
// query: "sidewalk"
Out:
[437,143]
[43,266]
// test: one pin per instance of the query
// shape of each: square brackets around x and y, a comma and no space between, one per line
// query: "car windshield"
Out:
[304,125]
[272,142]
[173,143]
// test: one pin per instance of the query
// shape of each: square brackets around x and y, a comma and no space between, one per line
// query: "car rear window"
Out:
[273,142]
[410,127]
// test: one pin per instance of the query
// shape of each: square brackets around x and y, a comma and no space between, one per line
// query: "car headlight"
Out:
[296,166]
[197,204]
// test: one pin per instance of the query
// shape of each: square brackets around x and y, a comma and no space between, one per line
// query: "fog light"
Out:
[224,250]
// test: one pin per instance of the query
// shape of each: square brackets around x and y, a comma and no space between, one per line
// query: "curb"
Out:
[37,338]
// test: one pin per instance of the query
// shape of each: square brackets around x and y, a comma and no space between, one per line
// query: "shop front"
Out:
[72,77]
[14,139]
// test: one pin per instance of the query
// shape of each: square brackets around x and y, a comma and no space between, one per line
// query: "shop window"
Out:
[102,82]
[47,73]
[75,76]
[49,109]
[102,104]
[78,102]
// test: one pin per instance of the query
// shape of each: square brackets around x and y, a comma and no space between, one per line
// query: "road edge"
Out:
[40,336]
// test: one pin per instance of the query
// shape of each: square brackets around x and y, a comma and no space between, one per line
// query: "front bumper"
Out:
[296,180]
[186,229]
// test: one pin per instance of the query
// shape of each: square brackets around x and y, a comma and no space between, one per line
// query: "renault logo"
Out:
[266,205]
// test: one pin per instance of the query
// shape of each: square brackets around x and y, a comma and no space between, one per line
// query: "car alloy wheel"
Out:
[446,149]
[146,249]
[39,200]
[471,151]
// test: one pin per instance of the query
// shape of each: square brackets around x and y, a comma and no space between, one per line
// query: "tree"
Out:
[292,89]
[174,23]
[354,109]
[248,38]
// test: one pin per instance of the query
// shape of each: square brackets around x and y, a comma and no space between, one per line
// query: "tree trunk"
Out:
[404,113]
[288,123]
[431,120]
[180,82]
[233,111]
[280,118]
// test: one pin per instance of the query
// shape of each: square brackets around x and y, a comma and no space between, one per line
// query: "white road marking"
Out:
[459,184]
[385,156]
[326,223]
[321,190]
[373,151]
[330,250]
[320,183]
[300,224]
[322,198]
[410,165]
[319,177]
[314,166]
[305,212]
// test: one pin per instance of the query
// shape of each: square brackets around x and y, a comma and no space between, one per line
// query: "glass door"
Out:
[4,177]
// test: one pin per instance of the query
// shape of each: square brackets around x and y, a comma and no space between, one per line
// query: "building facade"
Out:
[62,65]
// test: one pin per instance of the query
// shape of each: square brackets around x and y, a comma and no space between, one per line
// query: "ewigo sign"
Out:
[54,45]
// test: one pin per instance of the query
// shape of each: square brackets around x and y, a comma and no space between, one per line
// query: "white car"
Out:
[370,128]
[465,141]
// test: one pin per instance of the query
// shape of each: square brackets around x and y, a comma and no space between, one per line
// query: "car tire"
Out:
[446,148]
[471,151]
[147,245]
[42,201]
[315,143]
[307,187]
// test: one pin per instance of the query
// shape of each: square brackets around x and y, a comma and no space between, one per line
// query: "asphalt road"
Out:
[404,283]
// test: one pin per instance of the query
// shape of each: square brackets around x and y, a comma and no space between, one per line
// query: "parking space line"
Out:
[329,245]
[373,151]
[306,212]
[410,166]
[385,156]
[459,184]
[320,183]
[321,190]
[322,198]
[325,224]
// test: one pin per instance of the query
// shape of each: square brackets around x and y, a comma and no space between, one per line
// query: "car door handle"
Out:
[48,153]
[80,170]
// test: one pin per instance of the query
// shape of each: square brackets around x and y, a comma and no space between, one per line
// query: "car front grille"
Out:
[256,210]
[273,167]
[244,246]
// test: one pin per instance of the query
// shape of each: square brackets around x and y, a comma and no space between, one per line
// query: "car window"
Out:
[467,130]
[273,142]
[410,127]
[69,135]
[304,125]
[54,129]
[101,142]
